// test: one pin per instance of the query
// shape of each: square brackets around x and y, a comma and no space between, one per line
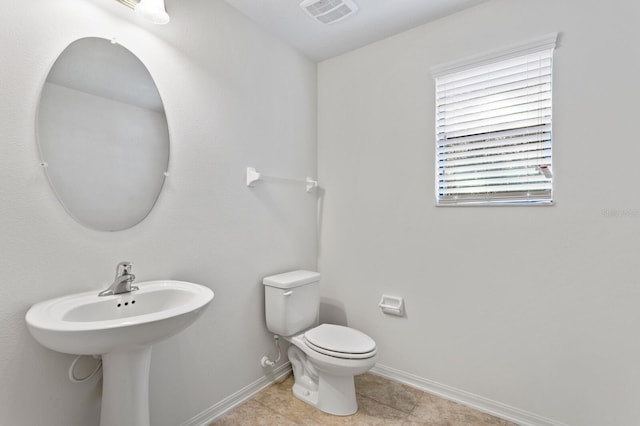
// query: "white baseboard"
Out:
[221,408]
[479,403]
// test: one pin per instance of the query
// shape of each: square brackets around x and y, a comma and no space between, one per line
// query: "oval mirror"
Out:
[103,135]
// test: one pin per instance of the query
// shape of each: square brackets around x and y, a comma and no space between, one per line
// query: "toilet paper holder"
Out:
[392,305]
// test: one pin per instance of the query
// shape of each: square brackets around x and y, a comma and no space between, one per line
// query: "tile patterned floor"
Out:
[380,401]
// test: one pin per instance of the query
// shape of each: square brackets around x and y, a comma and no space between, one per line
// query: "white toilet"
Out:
[324,357]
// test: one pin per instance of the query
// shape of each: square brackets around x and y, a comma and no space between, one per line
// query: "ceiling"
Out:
[376,19]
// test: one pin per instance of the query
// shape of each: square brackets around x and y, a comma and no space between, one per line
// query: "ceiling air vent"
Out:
[329,11]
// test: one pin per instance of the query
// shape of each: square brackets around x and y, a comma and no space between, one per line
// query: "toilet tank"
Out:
[291,301]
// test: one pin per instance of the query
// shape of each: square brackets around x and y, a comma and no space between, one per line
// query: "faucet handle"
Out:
[123,268]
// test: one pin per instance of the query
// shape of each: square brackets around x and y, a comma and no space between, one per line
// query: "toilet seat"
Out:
[340,342]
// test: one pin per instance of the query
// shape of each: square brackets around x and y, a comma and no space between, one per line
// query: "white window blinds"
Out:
[493,132]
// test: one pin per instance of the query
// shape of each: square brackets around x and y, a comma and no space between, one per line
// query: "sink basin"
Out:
[86,323]
[122,328]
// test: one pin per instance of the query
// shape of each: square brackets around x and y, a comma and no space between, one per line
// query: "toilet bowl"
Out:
[326,357]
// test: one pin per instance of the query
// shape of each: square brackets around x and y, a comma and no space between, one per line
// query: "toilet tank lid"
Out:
[291,279]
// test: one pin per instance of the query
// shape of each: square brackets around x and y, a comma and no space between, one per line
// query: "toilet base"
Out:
[333,394]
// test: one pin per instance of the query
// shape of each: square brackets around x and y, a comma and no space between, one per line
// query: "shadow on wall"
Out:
[332,312]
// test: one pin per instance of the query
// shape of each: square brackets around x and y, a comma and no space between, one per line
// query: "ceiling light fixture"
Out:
[153,11]
[131,4]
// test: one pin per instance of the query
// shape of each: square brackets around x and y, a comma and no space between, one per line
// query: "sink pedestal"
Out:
[125,387]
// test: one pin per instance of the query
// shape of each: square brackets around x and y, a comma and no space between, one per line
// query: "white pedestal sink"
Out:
[122,329]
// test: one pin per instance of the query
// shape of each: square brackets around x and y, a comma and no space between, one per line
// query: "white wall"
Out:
[534,307]
[234,97]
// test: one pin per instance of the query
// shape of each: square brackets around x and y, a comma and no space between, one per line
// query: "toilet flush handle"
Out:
[288,293]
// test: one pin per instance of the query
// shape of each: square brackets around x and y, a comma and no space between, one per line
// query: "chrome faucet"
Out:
[122,281]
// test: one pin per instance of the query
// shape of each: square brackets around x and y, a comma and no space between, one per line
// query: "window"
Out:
[493,128]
